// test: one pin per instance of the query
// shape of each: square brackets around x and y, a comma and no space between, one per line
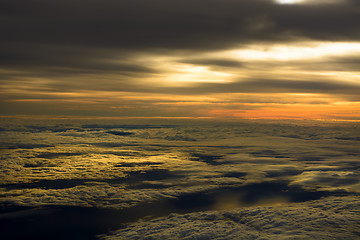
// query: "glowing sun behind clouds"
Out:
[288,1]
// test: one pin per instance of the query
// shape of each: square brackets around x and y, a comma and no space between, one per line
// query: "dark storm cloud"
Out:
[60,60]
[39,32]
[173,24]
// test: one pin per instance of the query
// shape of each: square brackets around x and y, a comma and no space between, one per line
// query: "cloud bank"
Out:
[127,58]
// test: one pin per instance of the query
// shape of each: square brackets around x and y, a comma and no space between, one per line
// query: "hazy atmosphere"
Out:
[199,58]
[168,119]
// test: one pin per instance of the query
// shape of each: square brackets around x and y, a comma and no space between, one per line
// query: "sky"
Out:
[274,59]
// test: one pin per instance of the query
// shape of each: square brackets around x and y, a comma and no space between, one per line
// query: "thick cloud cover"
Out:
[77,57]
[175,24]
[68,169]
[334,218]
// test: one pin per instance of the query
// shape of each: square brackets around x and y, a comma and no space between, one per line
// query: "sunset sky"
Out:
[296,59]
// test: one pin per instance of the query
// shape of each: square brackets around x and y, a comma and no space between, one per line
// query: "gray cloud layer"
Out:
[174,24]
[71,46]
[44,33]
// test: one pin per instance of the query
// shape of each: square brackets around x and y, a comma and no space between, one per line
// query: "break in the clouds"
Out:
[172,58]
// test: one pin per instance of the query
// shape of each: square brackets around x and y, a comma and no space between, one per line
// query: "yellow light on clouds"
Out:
[178,74]
[295,52]
[288,1]
[172,71]
[190,73]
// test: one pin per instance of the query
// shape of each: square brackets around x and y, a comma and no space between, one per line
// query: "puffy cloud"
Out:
[331,218]
[183,166]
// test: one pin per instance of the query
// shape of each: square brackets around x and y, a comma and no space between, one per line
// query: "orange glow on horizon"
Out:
[216,105]
[295,111]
